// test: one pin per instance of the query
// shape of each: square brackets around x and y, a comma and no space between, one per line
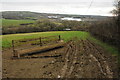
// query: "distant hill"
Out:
[35,15]
[22,15]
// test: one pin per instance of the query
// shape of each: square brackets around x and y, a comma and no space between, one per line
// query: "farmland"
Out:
[78,59]
[81,55]
[12,22]
[41,25]
[55,45]
[65,35]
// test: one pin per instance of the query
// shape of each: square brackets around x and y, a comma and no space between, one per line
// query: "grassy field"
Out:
[66,35]
[10,22]
[6,39]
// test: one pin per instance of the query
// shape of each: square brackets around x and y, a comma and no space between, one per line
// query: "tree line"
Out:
[108,30]
[43,25]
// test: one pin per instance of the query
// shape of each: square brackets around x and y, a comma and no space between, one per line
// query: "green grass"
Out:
[66,35]
[109,48]
[11,22]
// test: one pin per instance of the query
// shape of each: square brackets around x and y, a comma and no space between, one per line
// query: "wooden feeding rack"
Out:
[24,46]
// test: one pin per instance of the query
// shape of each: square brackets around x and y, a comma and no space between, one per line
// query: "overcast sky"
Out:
[98,7]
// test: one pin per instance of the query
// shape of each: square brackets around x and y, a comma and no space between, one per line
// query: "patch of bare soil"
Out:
[78,59]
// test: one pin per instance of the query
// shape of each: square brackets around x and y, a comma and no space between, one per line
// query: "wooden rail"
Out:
[23,46]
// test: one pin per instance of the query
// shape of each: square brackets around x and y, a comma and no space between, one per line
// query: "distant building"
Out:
[52,17]
[67,29]
[71,19]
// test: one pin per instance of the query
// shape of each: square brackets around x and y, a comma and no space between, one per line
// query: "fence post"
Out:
[13,47]
[59,38]
[40,42]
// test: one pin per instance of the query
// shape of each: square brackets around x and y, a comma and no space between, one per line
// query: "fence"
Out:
[29,45]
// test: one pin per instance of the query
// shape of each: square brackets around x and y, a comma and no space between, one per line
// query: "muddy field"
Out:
[78,59]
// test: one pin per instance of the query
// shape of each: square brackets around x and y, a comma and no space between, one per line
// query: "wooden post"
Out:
[13,47]
[40,41]
[59,38]
[18,55]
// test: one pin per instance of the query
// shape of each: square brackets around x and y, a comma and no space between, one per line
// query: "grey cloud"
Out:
[56,0]
[60,6]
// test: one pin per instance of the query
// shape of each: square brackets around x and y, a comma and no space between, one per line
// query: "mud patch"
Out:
[78,59]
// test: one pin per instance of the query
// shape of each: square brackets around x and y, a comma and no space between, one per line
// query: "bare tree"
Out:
[116,11]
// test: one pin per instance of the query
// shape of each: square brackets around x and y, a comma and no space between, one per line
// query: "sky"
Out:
[80,7]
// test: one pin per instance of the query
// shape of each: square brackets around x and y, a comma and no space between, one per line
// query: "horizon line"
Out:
[56,13]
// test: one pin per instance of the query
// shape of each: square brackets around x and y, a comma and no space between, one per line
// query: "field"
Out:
[65,35]
[11,22]
[37,46]
[79,58]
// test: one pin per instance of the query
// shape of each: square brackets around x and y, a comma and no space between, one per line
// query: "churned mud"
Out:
[78,59]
